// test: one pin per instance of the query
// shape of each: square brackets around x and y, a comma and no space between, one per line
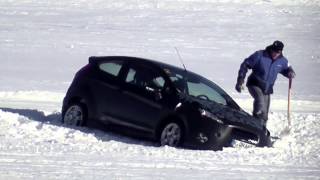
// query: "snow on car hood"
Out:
[226,114]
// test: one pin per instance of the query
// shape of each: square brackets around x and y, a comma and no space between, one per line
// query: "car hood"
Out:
[226,114]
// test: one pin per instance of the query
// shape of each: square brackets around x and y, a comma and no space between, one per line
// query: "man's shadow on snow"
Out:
[56,120]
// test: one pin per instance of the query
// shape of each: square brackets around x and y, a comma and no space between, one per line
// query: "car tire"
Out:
[171,134]
[75,115]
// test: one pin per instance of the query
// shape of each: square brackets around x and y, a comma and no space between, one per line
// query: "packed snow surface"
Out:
[43,43]
[38,146]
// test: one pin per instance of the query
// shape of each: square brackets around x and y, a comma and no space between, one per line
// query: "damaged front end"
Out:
[222,124]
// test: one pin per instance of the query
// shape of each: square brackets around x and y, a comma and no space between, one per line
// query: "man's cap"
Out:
[277,46]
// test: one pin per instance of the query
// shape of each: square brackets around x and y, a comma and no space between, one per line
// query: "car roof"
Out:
[97,59]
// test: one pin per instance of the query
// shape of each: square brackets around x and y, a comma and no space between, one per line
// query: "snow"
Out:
[43,43]
[39,145]
[45,101]
[41,40]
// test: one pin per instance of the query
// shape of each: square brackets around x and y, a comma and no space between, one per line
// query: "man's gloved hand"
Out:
[291,74]
[239,84]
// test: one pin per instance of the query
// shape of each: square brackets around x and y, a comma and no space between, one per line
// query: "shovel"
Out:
[287,129]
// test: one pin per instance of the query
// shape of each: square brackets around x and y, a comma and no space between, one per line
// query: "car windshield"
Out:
[195,85]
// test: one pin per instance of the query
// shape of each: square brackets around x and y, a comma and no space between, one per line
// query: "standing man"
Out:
[265,65]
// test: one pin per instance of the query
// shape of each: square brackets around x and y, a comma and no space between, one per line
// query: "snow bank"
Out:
[303,143]
[35,96]
[46,101]
[26,142]
[30,137]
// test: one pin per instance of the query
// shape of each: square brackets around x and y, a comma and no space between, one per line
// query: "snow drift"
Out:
[33,142]
[43,43]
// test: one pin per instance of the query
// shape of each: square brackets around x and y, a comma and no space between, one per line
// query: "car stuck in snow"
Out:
[158,101]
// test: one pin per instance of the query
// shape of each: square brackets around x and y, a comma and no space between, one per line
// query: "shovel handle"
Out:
[289,97]
[290,83]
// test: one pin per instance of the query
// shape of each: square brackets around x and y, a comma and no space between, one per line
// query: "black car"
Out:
[161,102]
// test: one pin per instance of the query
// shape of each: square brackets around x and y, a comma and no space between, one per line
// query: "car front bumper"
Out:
[206,134]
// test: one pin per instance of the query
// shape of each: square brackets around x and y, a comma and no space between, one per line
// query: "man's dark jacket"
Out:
[264,69]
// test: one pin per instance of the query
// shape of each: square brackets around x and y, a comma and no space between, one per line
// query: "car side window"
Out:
[145,78]
[111,68]
[130,76]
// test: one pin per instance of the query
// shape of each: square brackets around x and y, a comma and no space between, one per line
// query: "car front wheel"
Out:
[74,115]
[171,135]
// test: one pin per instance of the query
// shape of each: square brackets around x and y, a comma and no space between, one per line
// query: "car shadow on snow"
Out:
[36,115]
[56,120]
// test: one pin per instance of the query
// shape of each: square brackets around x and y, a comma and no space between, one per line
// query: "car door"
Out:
[144,96]
[108,91]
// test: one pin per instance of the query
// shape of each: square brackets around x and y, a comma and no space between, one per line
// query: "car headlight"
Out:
[210,115]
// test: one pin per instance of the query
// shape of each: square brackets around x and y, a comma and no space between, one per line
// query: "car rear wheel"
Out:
[171,135]
[75,115]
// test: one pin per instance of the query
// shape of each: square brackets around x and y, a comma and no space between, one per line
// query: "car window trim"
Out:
[137,65]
